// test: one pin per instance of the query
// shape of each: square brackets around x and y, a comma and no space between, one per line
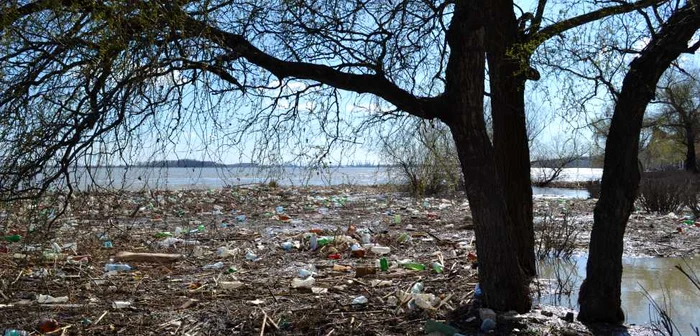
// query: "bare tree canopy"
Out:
[84,79]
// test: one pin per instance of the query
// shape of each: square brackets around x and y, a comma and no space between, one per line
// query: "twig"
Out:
[272,294]
[100,319]
[269,320]
[262,328]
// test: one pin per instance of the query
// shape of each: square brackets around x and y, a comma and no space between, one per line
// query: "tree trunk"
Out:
[500,275]
[599,296]
[691,163]
[507,81]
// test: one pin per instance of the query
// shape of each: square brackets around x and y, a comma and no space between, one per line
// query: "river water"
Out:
[183,178]
[658,276]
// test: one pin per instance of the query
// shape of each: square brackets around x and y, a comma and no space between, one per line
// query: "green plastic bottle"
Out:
[13,238]
[163,234]
[384,264]
[324,240]
[437,267]
[414,266]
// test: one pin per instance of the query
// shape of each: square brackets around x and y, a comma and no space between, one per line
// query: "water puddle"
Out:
[657,276]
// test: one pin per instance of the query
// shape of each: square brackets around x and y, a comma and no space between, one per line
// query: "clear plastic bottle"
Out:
[303,283]
[117,267]
[217,265]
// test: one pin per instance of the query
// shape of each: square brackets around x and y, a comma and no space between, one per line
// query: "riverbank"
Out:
[246,231]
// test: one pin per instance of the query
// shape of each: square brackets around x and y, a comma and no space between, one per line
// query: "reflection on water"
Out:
[657,275]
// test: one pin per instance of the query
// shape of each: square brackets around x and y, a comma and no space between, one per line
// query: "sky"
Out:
[307,143]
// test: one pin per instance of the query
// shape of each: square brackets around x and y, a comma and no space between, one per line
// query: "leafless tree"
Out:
[82,80]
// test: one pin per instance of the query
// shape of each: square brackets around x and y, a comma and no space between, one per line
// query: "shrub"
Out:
[667,191]
[424,160]
[593,188]
[556,235]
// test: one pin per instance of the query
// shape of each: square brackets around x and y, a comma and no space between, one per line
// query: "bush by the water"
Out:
[593,188]
[669,191]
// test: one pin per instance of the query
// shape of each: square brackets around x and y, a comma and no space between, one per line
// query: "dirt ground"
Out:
[61,277]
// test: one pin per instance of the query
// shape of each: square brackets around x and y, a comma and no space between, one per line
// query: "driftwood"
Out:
[148,257]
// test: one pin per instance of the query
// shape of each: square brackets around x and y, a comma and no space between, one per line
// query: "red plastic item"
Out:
[334,256]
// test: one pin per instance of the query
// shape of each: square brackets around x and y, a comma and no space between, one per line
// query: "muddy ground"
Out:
[251,293]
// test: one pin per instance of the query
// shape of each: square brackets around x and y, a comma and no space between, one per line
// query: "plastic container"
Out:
[15,332]
[287,246]
[279,209]
[303,283]
[117,267]
[108,244]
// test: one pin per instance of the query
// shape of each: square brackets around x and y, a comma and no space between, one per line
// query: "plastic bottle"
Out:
[477,291]
[437,267]
[381,250]
[108,244]
[303,283]
[313,242]
[384,264]
[417,287]
[13,239]
[279,209]
[163,234]
[228,285]
[287,246]
[251,256]
[117,267]
[15,332]
[360,300]
[223,252]
[325,240]
[121,304]
[217,265]
[414,266]
[240,218]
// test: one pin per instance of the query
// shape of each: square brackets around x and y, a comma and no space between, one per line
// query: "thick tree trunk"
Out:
[500,275]
[691,163]
[507,80]
[599,296]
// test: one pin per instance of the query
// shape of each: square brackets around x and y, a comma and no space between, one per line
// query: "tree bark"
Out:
[507,74]
[500,275]
[599,296]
